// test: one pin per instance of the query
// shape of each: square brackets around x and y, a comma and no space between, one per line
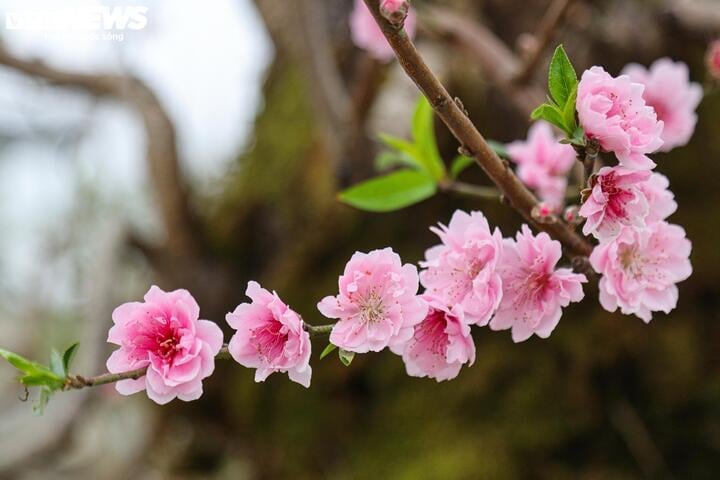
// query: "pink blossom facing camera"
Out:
[377,305]
[640,269]
[462,269]
[534,291]
[164,334]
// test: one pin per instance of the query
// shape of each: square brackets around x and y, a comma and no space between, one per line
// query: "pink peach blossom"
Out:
[713,59]
[441,343]
[461,270]
[640,268]
[615,200]
[377,305]
[270,337]
[163,333]
[674,97]
[613,112]
[661,201]
[534,291]
[366,33]
[543,163]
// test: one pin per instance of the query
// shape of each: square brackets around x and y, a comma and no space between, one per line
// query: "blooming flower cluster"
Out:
[641,257]
[473,276]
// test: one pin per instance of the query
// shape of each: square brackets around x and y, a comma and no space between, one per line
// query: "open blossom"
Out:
[441,343]
[377,305]
[534,291]
[270,337]
[613,112]
[615,200]
[461,270]
[674,97]
[640,268]
[543,163]
[164,334]
[366,33]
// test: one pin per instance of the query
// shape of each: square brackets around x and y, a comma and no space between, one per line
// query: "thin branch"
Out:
[550,23]
[162,156]
[587,156]
[470,139]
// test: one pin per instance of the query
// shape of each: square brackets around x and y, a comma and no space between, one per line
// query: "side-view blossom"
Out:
[461,270]
[270,337]
[674,97]
[543,163]
[534,291]
[441,343]
[615,200]
[640,268]
[366,33]
[164,334]
[377,305]
[613,112]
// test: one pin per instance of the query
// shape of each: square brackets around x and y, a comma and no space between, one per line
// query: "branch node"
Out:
[461,106]
[463,150]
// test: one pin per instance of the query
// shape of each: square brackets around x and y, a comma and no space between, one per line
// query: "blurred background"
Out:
[206,149]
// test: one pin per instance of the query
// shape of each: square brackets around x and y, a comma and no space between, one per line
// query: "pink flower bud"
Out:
[713,59]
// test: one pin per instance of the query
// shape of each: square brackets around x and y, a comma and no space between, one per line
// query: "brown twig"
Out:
[162,156]
[470,139]
[546,31]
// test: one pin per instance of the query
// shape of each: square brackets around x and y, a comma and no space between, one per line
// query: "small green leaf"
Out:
[56,364]
[459,164]
[346,357]
[561,77]
[327,350]
[403,146]
[390,192]
[42,401]
[569,118]
[423,133]
[34,374]
[498,148]
[69,356]
[549,113]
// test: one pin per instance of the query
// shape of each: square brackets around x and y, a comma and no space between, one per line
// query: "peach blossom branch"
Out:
[471,141]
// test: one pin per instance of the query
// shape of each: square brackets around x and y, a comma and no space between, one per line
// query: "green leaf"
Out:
[390,192]
[346,357]
[459,164]
[34,374]
[549,113]
[423,133]
[69,356]
[42,401]
[561,77]
[327,350]
[498,148]
[56,364]
[402,146]
[569,118]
